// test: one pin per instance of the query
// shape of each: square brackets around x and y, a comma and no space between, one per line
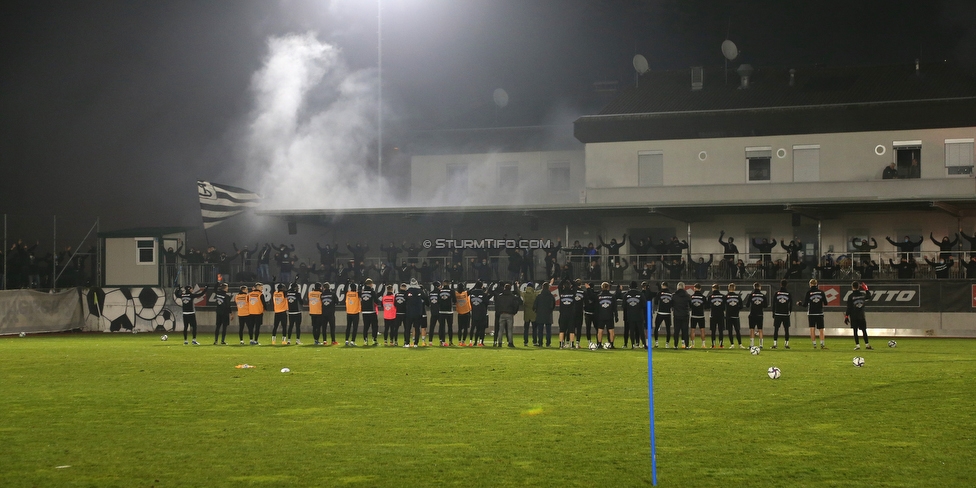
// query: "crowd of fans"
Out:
[24,265]
[766,258]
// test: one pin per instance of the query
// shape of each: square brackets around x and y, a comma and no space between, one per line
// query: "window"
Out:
[757,163]
[959,157]
[650,168]
[806,163]
[559,176]
[145,250]
[908,158]
[507,175]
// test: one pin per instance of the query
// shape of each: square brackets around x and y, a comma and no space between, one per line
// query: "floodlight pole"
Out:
[379,98]
[4,251]
[54,257]
[650,391]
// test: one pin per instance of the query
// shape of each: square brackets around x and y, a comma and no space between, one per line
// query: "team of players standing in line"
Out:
[578,303]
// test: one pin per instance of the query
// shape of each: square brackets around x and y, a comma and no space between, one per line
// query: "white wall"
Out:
[843,157]
[429,178]
[121,268]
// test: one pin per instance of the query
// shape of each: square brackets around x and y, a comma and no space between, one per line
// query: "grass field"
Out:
[130,410]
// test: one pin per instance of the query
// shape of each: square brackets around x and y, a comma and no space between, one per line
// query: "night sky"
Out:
[113,109]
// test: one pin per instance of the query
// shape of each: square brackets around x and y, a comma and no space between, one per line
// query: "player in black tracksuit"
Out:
[733,304]
[567,315]
[697,315]
[329,300]
[398,303]
[757,302]
[855,312]
[445,300]
[716,320]
[479,312]
[223,301]
[662,304]
[606,313]
[782,308]
[368,299]
[185,297]
[815,301]
[415,302]
[295,302]
[580,311]
[635,320]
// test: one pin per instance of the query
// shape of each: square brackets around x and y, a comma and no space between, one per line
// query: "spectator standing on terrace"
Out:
[552,267]
[286,262]
[613,249]
[905,267]
[941,267]
[864,249]
[264,260]
[970,267]
[890,173]
[391,253]
[731,250]
[914,171]
[906,247]
[971,239]
[945,246]
[246,255]
[765,248]
[327,258]
[867,270]
[676,247]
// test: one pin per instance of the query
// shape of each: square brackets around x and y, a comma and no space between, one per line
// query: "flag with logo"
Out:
[220,202]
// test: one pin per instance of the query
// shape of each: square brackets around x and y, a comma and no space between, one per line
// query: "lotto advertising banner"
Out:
[930,296]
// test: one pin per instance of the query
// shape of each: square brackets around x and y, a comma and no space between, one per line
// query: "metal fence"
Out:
[600,267]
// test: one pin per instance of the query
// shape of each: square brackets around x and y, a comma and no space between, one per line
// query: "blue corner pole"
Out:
[650,392]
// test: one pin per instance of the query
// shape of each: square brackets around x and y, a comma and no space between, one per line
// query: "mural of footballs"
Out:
[118,309]
[149,302]
[165,321]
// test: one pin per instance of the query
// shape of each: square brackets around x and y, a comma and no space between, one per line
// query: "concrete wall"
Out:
[429,178]
[844,157]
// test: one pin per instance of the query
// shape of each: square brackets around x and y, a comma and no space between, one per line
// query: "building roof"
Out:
[819,100]
[144,232]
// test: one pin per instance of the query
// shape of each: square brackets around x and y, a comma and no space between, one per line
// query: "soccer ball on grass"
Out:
[773,372]
[593,346]
[858,361]
[754,350]
[164,337]
[892,343]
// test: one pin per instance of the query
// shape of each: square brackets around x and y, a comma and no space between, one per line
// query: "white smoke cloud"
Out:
[313,128]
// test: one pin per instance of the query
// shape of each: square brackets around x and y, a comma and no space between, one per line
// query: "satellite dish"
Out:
[640,64]
[501,97]
[729,50]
